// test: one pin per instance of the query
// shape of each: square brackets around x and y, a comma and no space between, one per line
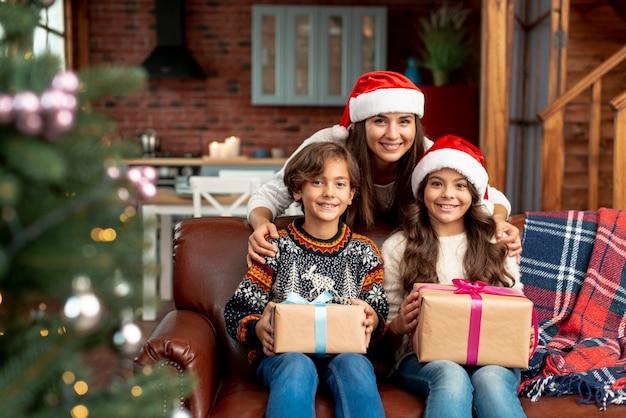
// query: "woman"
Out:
[381,128]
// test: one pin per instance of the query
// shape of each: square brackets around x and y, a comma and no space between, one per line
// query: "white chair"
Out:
[227,197]
[262,175]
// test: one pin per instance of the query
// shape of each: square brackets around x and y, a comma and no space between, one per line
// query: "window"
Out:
[312,55]
[50,33]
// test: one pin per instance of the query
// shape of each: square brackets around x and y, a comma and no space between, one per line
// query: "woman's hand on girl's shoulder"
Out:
[258,246]
[508,234]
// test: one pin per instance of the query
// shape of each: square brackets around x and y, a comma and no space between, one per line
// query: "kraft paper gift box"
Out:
[319,328]
[465,324]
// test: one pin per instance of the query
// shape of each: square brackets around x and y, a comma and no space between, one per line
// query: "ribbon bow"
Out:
[322,298]
[319,304]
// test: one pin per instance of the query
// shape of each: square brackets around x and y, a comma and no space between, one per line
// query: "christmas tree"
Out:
[70,237]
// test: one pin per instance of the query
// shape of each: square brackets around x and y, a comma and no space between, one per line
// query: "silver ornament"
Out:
[83,308]
[128,338]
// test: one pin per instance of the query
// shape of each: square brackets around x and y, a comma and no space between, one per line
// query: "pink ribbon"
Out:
[464,286]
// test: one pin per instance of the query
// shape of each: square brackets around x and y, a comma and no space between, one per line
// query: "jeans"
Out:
[292,379]
[452,390]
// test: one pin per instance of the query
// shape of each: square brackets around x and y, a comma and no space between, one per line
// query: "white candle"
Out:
[214,149]
[233,144]
[224,150]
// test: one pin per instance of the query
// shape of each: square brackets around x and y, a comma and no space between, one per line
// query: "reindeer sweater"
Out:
[348,266]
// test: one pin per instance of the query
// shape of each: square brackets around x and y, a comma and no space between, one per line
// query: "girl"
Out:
[317,253]
[381,128]
[448,233]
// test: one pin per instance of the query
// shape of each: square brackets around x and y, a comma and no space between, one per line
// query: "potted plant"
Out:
[444,37]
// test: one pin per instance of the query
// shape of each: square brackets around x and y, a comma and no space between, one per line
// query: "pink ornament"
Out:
[46,3]
[29,123]
[53,99]
[6,109]
[57,123]
[27,102]
[66,81]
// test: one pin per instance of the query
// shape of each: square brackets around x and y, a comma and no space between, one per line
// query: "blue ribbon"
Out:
[319,304]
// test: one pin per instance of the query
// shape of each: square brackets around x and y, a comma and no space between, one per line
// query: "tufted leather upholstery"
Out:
[209,263]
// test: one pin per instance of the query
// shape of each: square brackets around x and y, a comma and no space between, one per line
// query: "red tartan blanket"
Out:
[574,269]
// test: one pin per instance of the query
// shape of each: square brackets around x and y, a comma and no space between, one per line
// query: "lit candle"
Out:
[224,150]
[232,143]
[214,149]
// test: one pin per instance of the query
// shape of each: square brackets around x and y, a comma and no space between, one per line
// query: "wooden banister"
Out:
[583,84]
[619,152]
[553,144]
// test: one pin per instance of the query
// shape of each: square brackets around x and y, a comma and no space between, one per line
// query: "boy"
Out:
[316,253]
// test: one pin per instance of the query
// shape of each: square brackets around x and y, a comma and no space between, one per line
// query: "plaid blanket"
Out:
[574,269]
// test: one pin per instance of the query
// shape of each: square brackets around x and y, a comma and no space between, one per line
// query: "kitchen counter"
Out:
[232,161]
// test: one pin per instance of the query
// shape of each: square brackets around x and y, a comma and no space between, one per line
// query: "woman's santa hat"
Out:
[382,92]
[453,152]
[375,93]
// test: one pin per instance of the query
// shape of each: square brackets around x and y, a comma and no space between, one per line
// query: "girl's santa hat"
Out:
[458,154]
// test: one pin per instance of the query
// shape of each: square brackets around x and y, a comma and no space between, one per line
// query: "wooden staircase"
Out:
[553,145]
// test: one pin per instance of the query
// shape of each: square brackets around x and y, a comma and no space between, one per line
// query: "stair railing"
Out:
[553,144]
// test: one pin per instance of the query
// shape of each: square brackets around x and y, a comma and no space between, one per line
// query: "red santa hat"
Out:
[374,93]
[379,92]
[458,154]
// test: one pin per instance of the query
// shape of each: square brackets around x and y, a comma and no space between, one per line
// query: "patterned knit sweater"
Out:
[348,265]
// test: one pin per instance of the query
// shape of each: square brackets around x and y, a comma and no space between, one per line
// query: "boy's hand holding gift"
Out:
[371,318]
[264,330]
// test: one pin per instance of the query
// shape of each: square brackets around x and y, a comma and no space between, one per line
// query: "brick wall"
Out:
[188,114]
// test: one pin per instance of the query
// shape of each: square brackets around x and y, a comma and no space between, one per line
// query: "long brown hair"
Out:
[484,259]
[366,208]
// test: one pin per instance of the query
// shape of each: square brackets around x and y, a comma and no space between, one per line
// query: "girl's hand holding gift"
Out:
[406,321]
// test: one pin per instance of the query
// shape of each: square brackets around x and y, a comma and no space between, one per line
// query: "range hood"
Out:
[171,58]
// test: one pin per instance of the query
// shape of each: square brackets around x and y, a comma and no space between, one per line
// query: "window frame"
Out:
[284,60]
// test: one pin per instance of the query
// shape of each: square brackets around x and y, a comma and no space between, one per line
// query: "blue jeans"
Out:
[293,378]
[452,390]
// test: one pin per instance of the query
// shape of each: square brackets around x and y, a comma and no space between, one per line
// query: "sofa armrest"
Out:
[188,340]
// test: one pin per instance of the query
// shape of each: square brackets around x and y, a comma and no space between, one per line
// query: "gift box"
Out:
[473,324]
[319,328]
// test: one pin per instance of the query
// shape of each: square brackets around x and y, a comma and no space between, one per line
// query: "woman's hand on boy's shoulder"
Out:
[258,245]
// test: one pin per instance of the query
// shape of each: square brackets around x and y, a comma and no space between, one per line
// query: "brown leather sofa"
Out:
[209,262]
